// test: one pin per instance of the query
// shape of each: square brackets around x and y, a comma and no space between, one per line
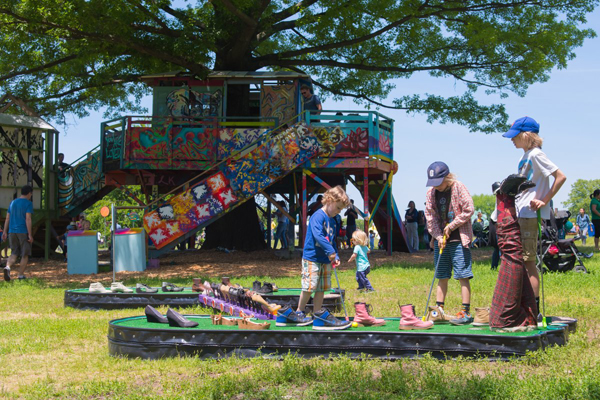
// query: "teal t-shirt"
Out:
[597,203]
[362,261]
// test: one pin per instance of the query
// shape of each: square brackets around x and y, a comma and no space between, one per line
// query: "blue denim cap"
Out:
[525,124]
[436,173]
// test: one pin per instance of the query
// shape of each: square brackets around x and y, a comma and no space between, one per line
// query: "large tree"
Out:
[579,196]
[72,56]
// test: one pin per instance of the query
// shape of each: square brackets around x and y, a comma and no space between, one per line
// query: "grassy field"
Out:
[49,351]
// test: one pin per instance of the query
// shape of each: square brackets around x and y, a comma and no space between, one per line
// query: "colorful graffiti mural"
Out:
[80,182]
[279,102]
[232,140]
[236,181]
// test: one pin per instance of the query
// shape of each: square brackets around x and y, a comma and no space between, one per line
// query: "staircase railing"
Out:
[79,181]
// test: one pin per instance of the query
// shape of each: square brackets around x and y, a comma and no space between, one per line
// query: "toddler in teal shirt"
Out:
[360,240]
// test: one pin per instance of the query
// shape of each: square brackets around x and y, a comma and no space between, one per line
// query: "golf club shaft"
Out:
[341,294]
[541,265]
[434,273]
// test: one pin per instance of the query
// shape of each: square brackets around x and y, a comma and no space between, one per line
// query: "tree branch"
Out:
[39,68]
[291,10]
[235,11]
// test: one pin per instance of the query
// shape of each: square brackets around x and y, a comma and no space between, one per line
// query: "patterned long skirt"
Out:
[514,301]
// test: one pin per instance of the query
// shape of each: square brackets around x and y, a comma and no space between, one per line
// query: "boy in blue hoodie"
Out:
[319,257]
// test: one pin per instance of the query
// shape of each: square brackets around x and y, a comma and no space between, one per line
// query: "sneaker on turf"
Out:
[325,321]
[118,287]
[288,317]
[437,315]
[97,287]
[7,274]
[462,318]
[482,316]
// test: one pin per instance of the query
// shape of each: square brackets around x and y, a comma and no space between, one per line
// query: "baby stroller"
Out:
[481,235]
[559,255]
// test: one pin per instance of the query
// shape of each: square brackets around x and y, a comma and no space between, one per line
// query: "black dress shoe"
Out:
[152,315]
[515,184]
[143,288]
[176,319]
[256,285]
[267,288]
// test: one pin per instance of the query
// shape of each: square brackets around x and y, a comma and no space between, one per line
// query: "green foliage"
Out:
[486,203]
[579,196]
[71,56]
[120,199]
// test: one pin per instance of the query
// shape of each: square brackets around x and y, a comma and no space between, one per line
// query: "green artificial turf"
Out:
[392,324]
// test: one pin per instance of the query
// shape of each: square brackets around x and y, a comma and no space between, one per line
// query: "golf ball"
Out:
[354,325]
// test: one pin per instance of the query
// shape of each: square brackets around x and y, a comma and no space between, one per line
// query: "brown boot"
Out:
[482,316]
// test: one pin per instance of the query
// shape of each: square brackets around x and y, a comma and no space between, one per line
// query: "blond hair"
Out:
[532,140]
[450,179]
[360,238]
[334,195]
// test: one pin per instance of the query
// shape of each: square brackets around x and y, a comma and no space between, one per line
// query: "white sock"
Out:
[7,267]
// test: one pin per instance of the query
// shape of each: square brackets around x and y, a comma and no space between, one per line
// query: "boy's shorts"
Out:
[455,257]
[316,277]
[529,237]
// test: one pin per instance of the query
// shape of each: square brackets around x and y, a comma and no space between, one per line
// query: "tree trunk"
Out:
[239,229]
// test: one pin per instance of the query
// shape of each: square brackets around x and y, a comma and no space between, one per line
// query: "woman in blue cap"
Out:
[536,167]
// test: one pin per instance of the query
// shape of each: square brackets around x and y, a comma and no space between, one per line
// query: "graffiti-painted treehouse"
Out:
[212,145]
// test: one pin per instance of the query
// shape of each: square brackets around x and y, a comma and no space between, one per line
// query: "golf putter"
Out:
[541,268]
[434,273]
[341,294]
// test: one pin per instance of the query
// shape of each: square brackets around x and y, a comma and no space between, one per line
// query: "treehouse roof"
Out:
[24,121]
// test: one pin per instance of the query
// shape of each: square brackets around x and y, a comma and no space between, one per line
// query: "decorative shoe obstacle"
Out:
[215,336]
[97,297]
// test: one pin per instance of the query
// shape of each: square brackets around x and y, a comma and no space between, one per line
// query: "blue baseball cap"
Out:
[436,173]
[525,124]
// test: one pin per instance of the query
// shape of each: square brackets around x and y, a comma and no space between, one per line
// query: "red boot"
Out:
[363,316]
[410,321]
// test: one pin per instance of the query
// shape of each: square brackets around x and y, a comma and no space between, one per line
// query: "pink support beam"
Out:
[304,208]
[366,197]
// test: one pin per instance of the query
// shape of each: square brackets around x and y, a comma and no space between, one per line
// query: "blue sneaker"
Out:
[324,321]
[288,317]
[462,318]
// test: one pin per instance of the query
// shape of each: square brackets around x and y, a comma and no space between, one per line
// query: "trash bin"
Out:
[82,252]
[129,250]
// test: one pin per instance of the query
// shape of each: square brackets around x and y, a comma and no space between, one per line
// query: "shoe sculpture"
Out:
[256,285]
[462,318]
[152,315]
[363,315]
[324,321]
[97,287]
[267,288]
[169,287]
[225,281]
[245,323]
[482,316]
[288,317]
[176,319]
[207,288]
[143,288]
[410,321]
[437,315]
[197,285]
[515,184]
[118,287]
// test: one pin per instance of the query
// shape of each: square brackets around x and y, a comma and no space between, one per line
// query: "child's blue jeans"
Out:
[363,281]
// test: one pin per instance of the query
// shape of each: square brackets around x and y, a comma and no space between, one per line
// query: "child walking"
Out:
[363,267]
[536,167]
[320,255]
[448,211]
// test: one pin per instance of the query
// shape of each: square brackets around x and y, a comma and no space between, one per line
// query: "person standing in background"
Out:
[412,226]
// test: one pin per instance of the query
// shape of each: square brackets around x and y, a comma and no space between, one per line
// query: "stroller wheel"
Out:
[580,268]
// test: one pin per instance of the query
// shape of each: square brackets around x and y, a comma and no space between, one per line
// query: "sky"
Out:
[566,107]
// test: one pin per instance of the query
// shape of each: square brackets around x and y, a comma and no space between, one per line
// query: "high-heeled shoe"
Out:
[152,315]
[176,319]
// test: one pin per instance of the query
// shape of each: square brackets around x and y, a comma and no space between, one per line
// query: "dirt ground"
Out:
[193,263]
